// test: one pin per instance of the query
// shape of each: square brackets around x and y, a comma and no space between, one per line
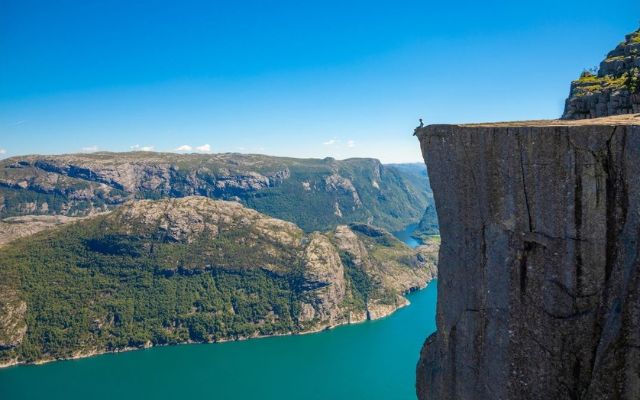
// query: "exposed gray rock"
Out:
[614,90]
[18,227]
[158,173]
[335,182]
[539,286]
[12,318]
[314,194]
[324,282]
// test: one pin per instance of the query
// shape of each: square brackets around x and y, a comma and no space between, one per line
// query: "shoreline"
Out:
[95,352]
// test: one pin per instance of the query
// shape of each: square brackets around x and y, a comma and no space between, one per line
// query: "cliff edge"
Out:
[538,288]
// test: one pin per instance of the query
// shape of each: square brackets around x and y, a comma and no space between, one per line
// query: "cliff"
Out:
[190,270]
[315,194]
[538,286]
[614,89]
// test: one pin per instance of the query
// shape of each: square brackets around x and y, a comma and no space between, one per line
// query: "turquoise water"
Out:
[405,235]
[372,360]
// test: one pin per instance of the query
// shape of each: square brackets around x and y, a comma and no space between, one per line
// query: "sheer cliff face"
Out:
[538,276]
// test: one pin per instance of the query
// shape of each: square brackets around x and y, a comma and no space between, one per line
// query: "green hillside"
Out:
[192,270]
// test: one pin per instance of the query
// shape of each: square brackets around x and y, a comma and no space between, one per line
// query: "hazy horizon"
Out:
[98,152]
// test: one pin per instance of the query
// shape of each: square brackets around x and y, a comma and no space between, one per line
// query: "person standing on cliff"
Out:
[419,126]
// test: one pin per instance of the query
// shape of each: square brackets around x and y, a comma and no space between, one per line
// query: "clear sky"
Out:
[295,78]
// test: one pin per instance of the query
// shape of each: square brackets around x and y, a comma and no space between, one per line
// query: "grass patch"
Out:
[589,83]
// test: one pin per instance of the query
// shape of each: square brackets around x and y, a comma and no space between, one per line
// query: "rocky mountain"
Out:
[614,89]
[428,226]
[539,272]
[13,228]
[315,194]
[192,269]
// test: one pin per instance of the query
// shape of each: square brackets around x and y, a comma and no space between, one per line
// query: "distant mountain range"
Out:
[316,194]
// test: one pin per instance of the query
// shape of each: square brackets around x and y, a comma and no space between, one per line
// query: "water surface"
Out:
[372,360]
[405,235]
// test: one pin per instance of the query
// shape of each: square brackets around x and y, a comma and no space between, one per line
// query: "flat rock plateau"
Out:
[538,289]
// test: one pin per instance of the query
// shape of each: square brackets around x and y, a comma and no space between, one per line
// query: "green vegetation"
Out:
[360,283]
[590,83]
[588,76]
[398,200]
[303,191]
[617,72]
[86,290]
[22,202]
[115,281]
[633,80]
[428,225]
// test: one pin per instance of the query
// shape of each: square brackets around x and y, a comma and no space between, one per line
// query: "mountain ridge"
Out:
[316,194]
[193,269]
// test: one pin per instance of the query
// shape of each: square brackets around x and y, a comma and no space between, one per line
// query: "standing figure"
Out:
[420,126]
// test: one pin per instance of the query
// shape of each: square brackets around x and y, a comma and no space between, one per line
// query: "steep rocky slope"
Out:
[13,228]
[614,89]
[314,194]
[428,226]
[192,270]
[539,286]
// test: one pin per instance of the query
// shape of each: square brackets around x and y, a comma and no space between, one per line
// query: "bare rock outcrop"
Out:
[324,282]
[614,89]
[18,227]
[13,326]
[100,180]
[539,272]
[335,182]
[186,219]
[317,195]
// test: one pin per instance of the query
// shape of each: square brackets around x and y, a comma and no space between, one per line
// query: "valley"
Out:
[373,359]
[193,269]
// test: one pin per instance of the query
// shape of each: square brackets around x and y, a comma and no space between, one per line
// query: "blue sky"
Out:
[302,79]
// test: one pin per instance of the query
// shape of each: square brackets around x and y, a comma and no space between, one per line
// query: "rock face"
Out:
[539,286]
[17,227]
[613,90]
[325,279]
[315,194]
[12,318]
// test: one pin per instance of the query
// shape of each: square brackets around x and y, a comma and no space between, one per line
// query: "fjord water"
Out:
[372,360]
[405,235]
